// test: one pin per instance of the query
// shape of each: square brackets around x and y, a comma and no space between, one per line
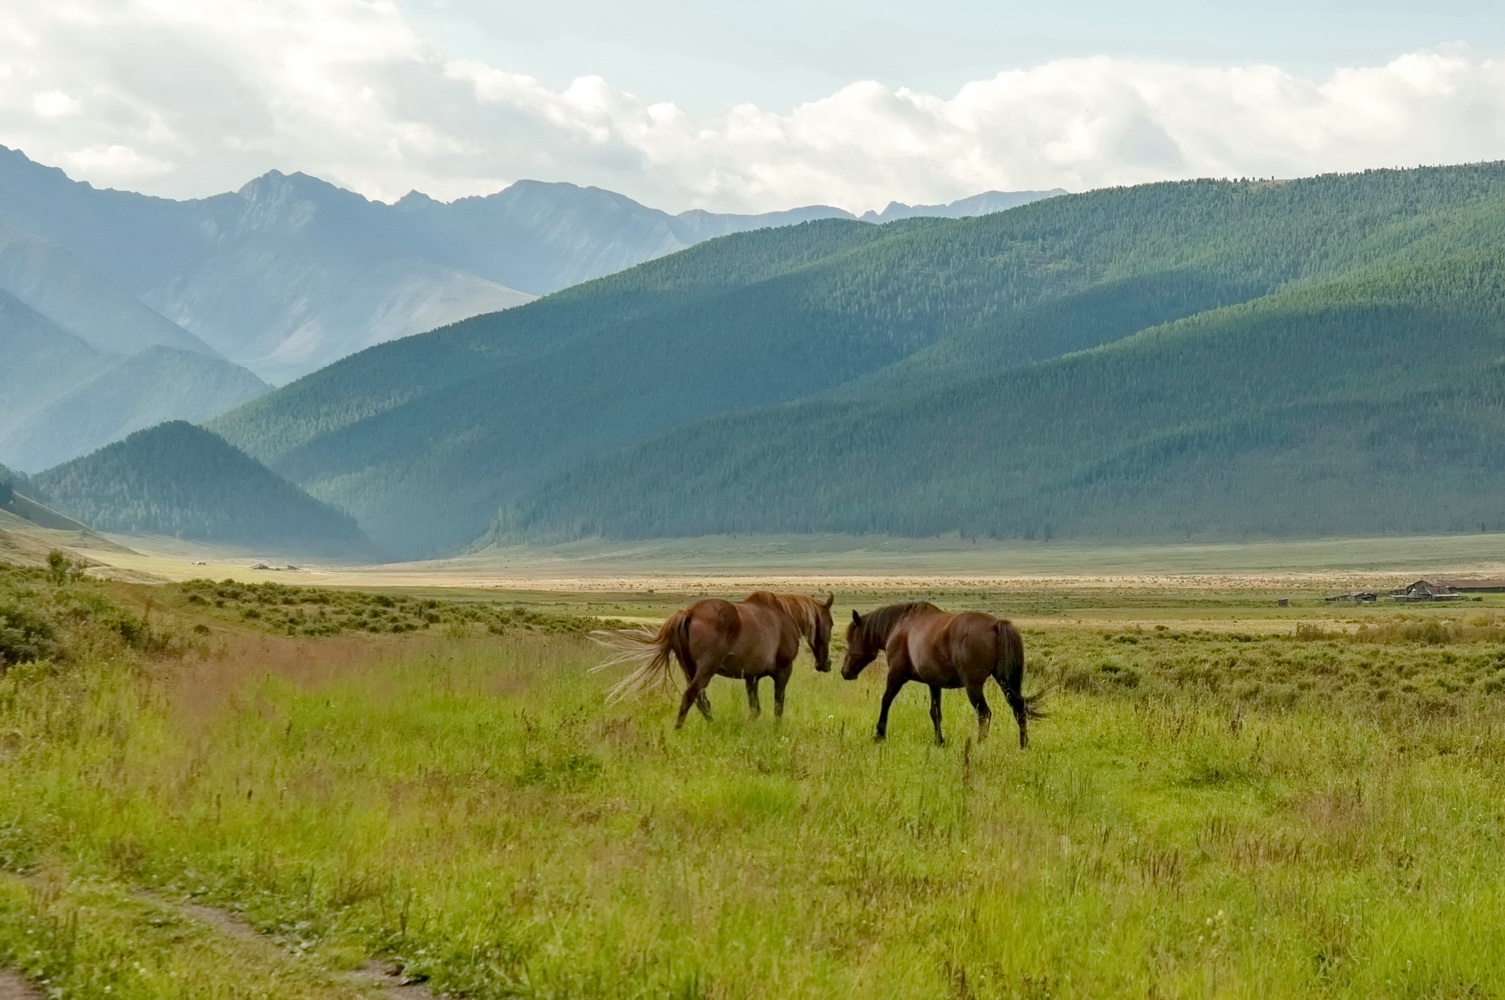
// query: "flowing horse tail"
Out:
[651,652]
[1010,674]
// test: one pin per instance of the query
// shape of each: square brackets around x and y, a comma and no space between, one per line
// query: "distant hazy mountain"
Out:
[178,479]
[83,363]
[143,390]
[63,288]
[300,273]
[291,273]
[979,204]
[42,361]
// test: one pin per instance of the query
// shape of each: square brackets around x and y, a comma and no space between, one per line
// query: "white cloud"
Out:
[55,104]
[188,97]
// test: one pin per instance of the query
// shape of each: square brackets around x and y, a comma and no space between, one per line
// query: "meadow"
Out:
[195,803]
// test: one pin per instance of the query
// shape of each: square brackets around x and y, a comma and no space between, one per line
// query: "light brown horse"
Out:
[925,644]
[751,639]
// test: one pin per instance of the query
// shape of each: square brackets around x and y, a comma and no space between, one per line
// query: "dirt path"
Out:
[384,979]
[13,987]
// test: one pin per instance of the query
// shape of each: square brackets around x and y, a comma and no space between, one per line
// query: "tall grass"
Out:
[471,809]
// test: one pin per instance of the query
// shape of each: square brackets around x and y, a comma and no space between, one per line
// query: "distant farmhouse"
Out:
[1474,586]
[1425,590]
[1446,590]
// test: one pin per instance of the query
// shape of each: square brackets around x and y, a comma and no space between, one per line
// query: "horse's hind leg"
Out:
[753,708]
[984,713]
[695,695]
[702,702]
[935,714]
[1015,698]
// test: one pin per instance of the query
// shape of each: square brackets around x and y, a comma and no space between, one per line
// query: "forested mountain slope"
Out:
[1371,404]
[178,479]
[886,333]
[476,410]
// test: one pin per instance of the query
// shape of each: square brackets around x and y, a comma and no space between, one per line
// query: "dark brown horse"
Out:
[751,639]
[940,650]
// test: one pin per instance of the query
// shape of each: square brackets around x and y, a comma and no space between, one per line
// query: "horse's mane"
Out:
[804,610]
[878,624]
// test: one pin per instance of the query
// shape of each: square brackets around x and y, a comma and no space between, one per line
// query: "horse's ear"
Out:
[830,600]
[856,618]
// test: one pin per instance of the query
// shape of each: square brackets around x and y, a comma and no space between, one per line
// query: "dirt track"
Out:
[13,987]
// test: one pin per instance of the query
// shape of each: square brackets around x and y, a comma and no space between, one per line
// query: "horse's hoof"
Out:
[879,737]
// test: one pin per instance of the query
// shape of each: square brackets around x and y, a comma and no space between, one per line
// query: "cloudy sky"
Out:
[744,106]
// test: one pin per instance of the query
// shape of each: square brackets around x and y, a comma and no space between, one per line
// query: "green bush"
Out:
[316,611]
[53,613]
[25,635]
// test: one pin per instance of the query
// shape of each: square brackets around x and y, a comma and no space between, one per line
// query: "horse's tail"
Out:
[1009,672]
[651,653]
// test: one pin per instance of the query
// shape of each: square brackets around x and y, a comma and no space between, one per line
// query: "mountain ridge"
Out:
[564,414]
[290,272]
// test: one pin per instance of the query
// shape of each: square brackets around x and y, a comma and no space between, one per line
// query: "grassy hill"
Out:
[1167,359]
[178,479]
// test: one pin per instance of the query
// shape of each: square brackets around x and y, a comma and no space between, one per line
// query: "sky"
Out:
[744,106]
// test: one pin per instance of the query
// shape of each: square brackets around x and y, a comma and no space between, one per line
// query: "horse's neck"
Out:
[808,627]
[800,617]
[803,617]
[907,620]
[893,628]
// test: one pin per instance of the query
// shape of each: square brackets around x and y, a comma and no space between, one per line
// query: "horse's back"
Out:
[768,632]
[739,636]
[949,649]
[973,627]
[713,626]
[713,609]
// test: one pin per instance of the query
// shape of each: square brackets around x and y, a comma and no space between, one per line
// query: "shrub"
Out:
[25,636]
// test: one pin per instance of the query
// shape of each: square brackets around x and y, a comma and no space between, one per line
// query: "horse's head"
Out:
[820,639]
[862,648]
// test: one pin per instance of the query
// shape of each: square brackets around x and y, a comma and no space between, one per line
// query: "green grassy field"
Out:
[1313,809]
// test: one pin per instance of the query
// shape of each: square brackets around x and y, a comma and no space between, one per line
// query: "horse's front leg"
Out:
[780,682]
[935,714]
[753,708]
[896,680]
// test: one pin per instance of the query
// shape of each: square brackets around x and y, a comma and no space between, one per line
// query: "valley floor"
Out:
[877,562]
[1228,799]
